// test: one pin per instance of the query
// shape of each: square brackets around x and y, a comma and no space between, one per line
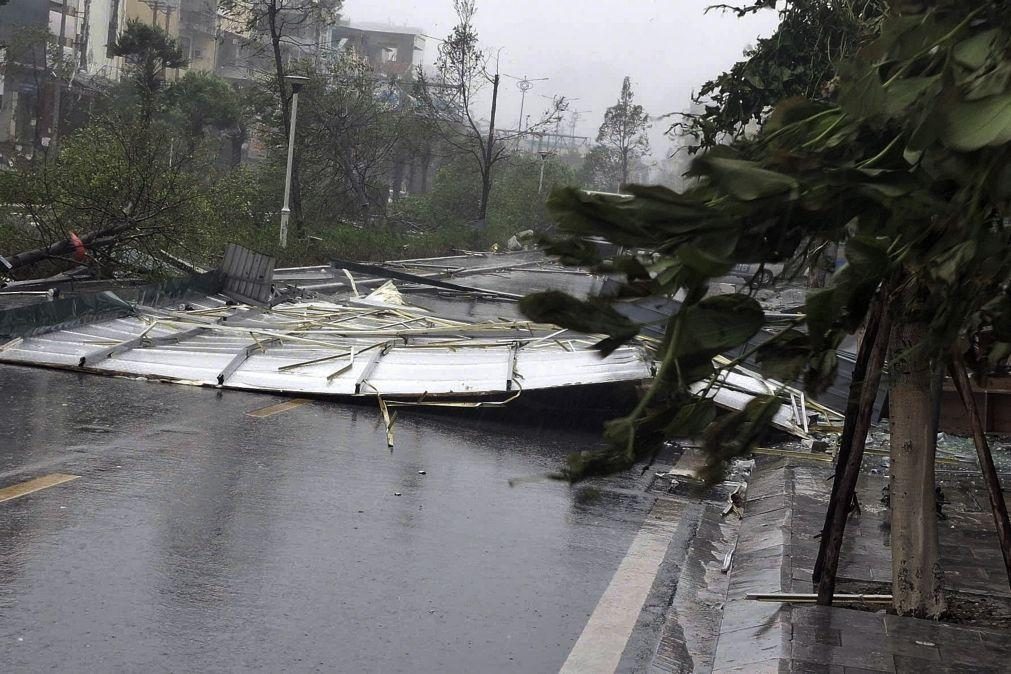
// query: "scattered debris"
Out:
[735,502]
[403,353]
[735,388]
[728,559]
[807,598]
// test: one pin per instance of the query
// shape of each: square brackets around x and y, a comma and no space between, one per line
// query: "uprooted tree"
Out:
[910,164]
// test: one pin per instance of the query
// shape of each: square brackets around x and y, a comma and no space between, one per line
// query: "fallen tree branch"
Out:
[99,238]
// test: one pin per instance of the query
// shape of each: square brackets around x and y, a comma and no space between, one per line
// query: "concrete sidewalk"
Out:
[776,551]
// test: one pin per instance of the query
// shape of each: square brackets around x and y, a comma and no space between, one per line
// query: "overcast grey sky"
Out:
[586,47]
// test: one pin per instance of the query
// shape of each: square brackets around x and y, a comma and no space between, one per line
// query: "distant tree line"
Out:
[172,166]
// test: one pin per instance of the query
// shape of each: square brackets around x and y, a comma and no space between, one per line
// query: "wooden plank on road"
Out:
[277,409]
[37,484]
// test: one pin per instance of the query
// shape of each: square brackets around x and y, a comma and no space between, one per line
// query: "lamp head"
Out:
[296,82]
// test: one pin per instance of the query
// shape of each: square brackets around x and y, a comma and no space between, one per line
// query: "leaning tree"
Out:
[910,164]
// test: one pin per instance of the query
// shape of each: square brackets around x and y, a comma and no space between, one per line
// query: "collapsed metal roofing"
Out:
[433,331]
[352,342]
[322,347]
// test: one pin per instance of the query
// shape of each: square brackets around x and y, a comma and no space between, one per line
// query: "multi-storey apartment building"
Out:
[45,46]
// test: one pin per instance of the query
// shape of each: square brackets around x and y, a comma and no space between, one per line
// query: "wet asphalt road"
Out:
[198,538]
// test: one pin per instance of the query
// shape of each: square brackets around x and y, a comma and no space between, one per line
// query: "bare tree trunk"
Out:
[237,141]
[426,167]
[485,197]
[397,176]
[917,579]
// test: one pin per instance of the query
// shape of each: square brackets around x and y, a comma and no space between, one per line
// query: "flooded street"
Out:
[198,537]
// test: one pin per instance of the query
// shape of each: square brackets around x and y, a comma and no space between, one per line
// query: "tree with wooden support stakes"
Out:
[907,163]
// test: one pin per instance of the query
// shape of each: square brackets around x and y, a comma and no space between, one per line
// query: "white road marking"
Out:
[598,649]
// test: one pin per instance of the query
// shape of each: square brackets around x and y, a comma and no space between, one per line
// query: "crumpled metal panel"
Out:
[306,347]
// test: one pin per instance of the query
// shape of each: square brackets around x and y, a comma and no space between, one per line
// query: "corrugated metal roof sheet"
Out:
[333,348]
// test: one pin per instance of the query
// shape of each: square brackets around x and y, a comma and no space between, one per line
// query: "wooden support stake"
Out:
[859,408]
[997,505]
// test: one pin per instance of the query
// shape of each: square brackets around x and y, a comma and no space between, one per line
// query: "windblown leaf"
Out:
[947,266]
[717,324]
[971,125]
[744,179]
[692,418]
[786,356]
[571,251]
[737,433]
[903,93]
[973,52]
[592,317]
[703,261]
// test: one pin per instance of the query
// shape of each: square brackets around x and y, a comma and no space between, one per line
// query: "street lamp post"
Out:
[525,85]
[296,82]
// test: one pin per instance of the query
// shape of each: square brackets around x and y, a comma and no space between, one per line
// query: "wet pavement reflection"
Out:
[199,538]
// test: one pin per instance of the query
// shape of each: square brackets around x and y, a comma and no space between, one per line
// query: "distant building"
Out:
[29,65]
[389,50]
[241,57]
[210,40]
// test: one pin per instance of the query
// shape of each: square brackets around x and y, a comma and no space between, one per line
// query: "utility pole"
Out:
[524,85]
[489,153]
[576,114]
